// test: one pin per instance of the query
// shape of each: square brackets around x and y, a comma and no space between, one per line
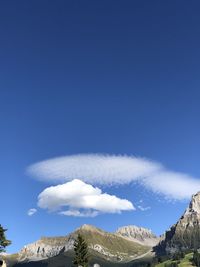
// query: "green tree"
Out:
[81,252]
[196,258]
[172,264]
[3,241]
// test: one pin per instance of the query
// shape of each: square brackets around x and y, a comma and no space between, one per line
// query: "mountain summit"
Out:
[139,235]
[193,211]
[185,234]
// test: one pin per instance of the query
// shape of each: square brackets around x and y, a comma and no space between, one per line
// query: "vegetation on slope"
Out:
[112,243]
[187,261]
[3,241]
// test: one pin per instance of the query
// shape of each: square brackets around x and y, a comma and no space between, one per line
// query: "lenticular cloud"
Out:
[95,169]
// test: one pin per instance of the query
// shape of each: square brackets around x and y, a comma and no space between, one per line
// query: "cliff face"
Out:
[46,247]
[185,234]
[139,235]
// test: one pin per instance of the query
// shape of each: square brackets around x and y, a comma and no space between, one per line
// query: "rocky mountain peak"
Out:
[194,206]
[185,234]
[138,234]
[88,227]
[136,230]
[191,216]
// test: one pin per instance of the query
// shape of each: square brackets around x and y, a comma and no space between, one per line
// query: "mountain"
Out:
[139,235]
[185,234]
[104,247]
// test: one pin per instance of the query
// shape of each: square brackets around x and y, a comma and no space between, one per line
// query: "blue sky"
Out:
[106,77]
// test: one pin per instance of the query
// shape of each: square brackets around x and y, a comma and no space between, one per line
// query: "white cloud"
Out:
[77,213]
[173,184]
[143,208]
[31,212]
[94,168]
[112,170]
[81,199]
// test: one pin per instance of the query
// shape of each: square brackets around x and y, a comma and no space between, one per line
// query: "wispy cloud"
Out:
[173,185]
[31,212]
[81,199]
[100,169]
[77,213]
[143,208]
[94,168]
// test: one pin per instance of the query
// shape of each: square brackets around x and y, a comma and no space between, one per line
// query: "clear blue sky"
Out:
[116,77]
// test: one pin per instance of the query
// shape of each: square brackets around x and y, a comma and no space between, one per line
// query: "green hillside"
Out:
[185,262]
[122,249]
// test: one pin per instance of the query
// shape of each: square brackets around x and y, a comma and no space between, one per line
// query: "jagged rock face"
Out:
[46,247]
[192,213]
[138,234]
[185,234]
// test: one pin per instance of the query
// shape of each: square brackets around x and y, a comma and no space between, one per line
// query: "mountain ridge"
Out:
[137,234]
[108,246]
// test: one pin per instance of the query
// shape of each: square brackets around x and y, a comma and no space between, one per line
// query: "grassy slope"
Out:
[65,260]
[114,243]
[185,262]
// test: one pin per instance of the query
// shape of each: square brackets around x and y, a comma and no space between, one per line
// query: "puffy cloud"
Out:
[115,170]
[31,212]
[81,199]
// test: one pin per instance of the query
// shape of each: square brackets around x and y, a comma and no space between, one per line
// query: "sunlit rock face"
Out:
[185,234]
[192,213]
[46,247]
[137,234]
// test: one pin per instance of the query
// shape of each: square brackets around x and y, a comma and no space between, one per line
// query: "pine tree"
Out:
[81,252]
[196,258]
[3,241]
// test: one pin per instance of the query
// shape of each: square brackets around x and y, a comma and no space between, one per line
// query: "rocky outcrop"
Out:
[185,234]
[46,247]
[139,235]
